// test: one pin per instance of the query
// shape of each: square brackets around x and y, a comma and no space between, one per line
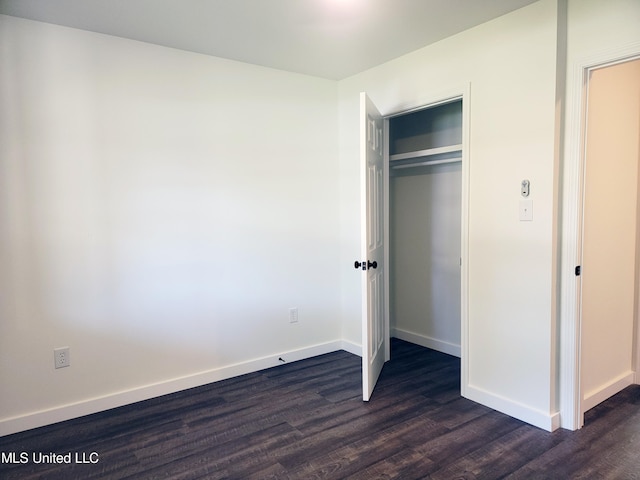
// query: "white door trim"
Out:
[570,402]
[434,98]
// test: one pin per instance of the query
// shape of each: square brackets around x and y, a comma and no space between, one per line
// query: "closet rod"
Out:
[428,152]
[426,163]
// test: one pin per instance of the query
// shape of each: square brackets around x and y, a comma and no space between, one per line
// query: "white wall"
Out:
[511,65]
[424,256]
[160,212]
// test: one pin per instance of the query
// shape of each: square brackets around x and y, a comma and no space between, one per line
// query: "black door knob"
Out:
[365,265]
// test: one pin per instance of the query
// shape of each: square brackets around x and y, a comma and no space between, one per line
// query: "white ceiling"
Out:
[326,38]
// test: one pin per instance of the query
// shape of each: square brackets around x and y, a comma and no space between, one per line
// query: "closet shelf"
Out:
[426,153]
[430,156]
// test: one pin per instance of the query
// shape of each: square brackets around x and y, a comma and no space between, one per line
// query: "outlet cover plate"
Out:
[61,357]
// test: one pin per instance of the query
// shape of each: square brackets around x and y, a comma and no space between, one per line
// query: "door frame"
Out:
[431,100]
[570,308]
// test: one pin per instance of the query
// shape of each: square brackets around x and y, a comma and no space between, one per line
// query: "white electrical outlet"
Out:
[61,357]
[293,315]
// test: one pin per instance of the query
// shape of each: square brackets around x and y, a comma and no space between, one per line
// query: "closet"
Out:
[425,191]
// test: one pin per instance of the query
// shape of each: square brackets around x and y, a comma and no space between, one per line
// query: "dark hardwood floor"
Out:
[306,420]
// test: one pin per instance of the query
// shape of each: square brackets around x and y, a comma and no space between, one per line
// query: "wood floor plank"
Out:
[498,458]
[406,464]
[348,459]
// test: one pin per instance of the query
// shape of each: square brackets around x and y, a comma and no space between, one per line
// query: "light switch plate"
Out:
[526,210]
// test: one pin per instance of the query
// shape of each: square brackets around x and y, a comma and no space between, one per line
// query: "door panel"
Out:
[374,336]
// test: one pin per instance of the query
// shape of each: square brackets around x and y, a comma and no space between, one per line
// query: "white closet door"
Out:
[374,335]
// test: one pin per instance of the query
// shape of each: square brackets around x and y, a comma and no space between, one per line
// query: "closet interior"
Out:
[425,191]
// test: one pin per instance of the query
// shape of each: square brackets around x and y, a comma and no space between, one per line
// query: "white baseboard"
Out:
[546,421]
[118,399]
[600,394]
[352,347]
[428,342]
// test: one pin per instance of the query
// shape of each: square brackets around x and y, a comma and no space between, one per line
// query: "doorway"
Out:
[414,147]
[425,197]
[610,239]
